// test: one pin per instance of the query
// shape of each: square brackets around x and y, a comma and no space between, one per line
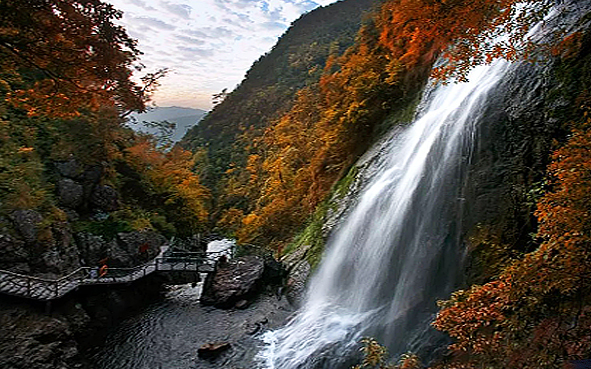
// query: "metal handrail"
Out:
[47,289]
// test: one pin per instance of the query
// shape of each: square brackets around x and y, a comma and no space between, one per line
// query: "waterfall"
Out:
[399,250]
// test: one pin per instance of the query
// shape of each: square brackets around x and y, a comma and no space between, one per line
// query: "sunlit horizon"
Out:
[207,46]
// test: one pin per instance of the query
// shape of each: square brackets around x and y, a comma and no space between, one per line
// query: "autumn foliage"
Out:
[375,356]
[62,56]
[466,32]
[537,312]
[65,92]
[168,178]
[293,165]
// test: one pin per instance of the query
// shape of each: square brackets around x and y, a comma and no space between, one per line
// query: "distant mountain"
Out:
[184,118]
[269,87]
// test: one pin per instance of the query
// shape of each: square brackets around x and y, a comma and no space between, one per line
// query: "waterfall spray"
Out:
[399,248]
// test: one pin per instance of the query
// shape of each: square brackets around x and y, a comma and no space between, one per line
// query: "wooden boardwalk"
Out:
[49,289]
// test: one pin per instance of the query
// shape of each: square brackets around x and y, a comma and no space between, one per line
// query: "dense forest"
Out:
[529,306]
[66,90]
[270,155]
[273,171]
[225,138]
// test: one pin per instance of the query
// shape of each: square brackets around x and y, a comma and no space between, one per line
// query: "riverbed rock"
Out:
[212,350]
[234,280]
[242,304]
[34,341]
[296,282]
[32,338]
[255,326]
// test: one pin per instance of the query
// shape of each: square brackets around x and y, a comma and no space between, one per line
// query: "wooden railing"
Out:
[48,289]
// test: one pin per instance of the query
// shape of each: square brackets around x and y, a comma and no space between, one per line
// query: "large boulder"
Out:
[105,198]
[60,253]
[134,248]
[92,175]
[69,169]
[93,247]
[212,350]
[233,281]
[27,223]
[70,193]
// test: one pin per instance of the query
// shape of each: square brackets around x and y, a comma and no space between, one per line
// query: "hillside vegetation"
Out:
[67,162]
[531,308]
[274,148]
[276,170]
[224,137]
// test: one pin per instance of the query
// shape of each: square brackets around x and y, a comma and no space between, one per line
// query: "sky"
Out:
[208,45]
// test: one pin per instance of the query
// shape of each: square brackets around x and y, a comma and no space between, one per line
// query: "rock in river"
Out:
[212,350]
[233,281]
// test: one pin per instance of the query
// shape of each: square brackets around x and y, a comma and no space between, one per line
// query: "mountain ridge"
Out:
[183,118]
[270,85]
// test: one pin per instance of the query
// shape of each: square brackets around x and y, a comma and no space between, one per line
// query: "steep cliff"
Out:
[269,86]
[503,257]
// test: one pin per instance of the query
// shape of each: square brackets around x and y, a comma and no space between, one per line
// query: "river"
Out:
[167,334]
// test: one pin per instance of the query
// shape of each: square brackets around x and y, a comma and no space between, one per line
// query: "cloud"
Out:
[232,4]
[195,33]
[134,34]
[209,44]
[220,32]
[180,10]
[273,26]
[152,23]
[195,51]
[276,15]
[189,40]
[142,4]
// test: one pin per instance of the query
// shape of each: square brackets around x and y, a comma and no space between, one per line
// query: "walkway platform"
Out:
[49,289]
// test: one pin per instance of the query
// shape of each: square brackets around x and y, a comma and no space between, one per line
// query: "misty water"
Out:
[398,251]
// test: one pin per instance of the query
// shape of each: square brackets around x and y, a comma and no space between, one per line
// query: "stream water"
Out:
[167,334]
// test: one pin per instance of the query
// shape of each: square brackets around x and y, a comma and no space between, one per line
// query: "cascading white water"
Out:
[397,251]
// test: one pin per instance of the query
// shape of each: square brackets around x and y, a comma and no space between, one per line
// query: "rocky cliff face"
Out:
[529,110]
[39,335]
[526,119]
[52,245]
